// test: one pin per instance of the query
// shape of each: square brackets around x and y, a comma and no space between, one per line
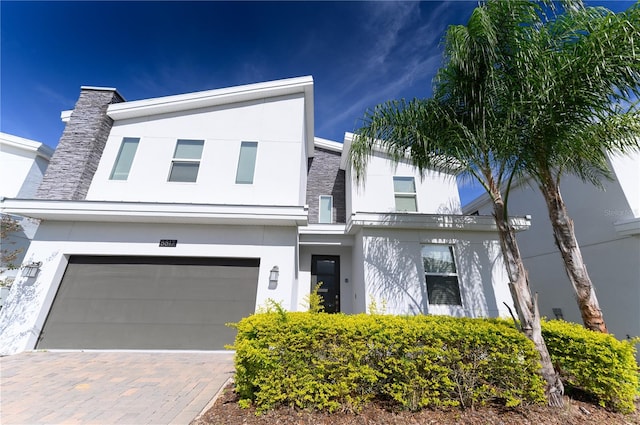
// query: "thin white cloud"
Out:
[404,51]
[399,34]
[358,105]
[384,25]
[55,96]
[171,77]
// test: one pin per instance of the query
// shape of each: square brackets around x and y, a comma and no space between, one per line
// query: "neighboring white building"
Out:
[22,165]
[165,218]
[607,226]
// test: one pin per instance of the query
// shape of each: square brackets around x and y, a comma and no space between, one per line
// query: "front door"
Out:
[325,269]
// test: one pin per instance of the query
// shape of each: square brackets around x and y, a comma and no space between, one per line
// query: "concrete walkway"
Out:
[109,387]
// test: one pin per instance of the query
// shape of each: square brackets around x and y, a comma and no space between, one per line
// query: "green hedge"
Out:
[335,361]
[596,363]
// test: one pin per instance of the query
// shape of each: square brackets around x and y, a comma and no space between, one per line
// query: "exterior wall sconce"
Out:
[273,277]
[31,269]
[558,313]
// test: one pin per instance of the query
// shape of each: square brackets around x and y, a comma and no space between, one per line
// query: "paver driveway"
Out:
[109,387]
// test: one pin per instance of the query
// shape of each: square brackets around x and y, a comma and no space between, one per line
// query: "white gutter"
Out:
[26,145]
[475,223]
[142,212]
[629,227]
[203,99]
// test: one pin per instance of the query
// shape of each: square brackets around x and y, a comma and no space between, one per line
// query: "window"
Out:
[325,209]
[186,161]
[404,189]
[247,162]
[124,160]
[441,275]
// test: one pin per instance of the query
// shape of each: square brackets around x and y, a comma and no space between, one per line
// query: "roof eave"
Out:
[148,212]
[203,99]
[419,221]
[27,145]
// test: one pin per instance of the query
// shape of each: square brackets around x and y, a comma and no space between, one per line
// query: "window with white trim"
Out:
[124,160]
[441,274]
[186,161]
[404,190]
[246,162]
[325,209]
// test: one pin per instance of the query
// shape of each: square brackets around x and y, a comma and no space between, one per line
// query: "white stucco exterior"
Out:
[607,226]
[392,264]
[277,124]
[22,165]
[377,248]
[436,192]
[59,240]
[387,256]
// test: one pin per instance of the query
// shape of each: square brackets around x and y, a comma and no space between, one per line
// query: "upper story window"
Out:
[247,162]
[124,160]
[325,209]
[404,189]
[186,161]
[441,274]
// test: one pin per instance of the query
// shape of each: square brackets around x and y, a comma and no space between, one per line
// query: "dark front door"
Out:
[325,269]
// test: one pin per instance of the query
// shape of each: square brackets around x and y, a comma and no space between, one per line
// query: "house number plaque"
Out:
[168,243]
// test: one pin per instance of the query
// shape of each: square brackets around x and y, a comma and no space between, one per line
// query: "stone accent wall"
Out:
[324,177]
[76,158]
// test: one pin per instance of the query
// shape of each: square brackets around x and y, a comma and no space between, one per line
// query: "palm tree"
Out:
[466,129]
[571,80]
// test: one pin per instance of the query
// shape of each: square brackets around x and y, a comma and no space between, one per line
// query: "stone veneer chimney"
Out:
[324,177]
[76,158]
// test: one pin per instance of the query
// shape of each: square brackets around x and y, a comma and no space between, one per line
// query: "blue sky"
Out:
[359,53]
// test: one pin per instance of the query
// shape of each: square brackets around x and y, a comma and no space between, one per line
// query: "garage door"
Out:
[150,303]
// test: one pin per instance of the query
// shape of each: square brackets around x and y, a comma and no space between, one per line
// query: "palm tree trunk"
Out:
[526,306]
[565,237]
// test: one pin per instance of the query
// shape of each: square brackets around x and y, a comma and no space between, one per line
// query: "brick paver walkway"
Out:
[109,387]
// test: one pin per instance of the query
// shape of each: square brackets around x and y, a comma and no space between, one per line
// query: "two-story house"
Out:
[607,226]
[164,219]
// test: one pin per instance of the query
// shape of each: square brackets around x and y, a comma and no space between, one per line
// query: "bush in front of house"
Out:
[595,363]
[342,362]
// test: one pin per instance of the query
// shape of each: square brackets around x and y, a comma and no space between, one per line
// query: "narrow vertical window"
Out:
[325,209]
[124,160]
[404,189]
[186,161]
[441,275]
[247,162]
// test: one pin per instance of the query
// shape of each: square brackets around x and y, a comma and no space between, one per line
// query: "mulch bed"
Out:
[225,411]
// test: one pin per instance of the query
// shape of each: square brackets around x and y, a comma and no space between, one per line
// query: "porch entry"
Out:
[326,269]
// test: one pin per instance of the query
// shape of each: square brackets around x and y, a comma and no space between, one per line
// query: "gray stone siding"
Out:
[76,158]
[324,177]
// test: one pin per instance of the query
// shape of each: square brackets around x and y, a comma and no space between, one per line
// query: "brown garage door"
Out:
[150,303]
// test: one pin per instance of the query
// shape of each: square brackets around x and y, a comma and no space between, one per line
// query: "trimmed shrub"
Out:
[595,363]
[342,362]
